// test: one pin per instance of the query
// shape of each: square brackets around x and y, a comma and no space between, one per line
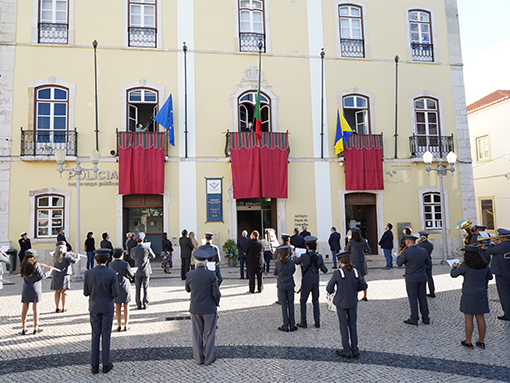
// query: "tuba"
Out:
[467,234]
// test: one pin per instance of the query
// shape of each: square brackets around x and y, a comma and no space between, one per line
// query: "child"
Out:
[32,287]
[348,282]
[284,269]
[474,300]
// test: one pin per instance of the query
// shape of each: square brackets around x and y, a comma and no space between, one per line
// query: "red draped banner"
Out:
[363,163]
[259,167]
[141,163]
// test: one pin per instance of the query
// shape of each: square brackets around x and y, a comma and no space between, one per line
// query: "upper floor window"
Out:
[49,217]
[251,25]
[53,21]
[421,36]
[487,210]
[432,210]
[351,31]
[51,117]
[427,116]
[482,148]
[142,108]
[247,103]
[356,113]
[142,23]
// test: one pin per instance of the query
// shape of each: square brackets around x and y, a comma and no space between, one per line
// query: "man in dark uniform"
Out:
[416,260]
[305,232]
[477,229]
[429,247]
[297,241]
[255,261]
[186,249]
[500,267]
[205,298]
[210,248]
[24,245]
[334,245]
[311,263]
[241,251]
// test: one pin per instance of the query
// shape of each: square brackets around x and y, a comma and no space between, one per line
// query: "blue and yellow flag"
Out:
[343,132]
[165,118]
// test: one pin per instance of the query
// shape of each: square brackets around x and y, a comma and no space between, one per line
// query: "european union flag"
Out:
[165,118]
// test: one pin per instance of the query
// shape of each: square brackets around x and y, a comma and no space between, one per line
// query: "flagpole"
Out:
[94,44]
[322,102]
[260,45]
[396,103]
[185,49]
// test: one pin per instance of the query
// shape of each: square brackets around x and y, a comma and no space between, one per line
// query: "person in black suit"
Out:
[429,247]
[101,286]
[386,244]
[106,244]
[297,241]
[255,261]
[186,249]
[61,237]
[416,260]
[334,245]
[130,243]
[242,243]
[305,232]
[24,245]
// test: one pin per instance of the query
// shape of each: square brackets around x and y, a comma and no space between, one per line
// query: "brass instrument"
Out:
[465,226]
[421,239]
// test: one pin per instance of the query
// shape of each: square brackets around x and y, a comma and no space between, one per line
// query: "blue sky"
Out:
[485,36]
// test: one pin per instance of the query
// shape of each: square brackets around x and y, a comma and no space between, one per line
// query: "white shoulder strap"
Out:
[356,273]
[342,274]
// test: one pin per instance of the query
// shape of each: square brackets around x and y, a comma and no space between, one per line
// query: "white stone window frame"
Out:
[126,23]
[371,104]
[267,29]
[433,33]
[480,210]
[141,84]
[486,142]
[35,22]
[364,14]
[440,110]
[32,201]
[446,213]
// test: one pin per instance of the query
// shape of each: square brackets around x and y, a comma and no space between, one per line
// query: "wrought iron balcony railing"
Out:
[352,48]
[440,146]
[146,140]
[249,42]
[46,142]
[249,140]
[423,52]
[142,37]
[53,33]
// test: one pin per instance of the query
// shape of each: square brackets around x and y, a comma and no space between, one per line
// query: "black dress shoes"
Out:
[119,329]
[284,329]
[502,317]
[94,369]
[431,295]
[409,321]
[293,328]
[317,325]
[343,354]
[107,369]
[302,325]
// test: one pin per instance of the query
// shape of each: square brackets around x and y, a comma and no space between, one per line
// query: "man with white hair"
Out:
[142,256]
[242,243]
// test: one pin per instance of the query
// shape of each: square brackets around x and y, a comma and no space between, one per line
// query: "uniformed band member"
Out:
[429,247]
[500,267]
[124,278]
[311,262]
[285,242]
[476,233]
[61,280]
[297,240]
[357,246]
[205,298]
[24,245]
[415,260]
[101,286]
[142,256]
[32,287]
[285,268]
[348,282]
[474,300]
[213,250]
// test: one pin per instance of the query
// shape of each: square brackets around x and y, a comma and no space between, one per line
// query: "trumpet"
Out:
[421,239]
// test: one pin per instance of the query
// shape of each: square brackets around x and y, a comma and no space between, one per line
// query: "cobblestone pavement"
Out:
[249,348]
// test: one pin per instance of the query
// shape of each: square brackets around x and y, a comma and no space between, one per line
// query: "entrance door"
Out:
[144,212]
[256,214]
[361,211]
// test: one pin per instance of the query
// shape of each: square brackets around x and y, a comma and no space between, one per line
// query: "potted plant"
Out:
[230,249]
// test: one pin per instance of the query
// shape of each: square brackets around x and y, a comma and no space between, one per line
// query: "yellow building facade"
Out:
[48,103]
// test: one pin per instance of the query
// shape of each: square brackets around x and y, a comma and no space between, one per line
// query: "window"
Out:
[49,215]
[51,117]
[351,31]
[432,210]
[487,210]
[482,148]
[421,36]
[53,22]
[142,108]
[427,122]
[142,23]
[247,103]
[356,113]
[251,25]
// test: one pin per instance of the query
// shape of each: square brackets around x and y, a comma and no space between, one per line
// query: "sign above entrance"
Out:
[214,190]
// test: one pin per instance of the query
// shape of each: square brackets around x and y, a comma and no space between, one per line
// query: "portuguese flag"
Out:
[258,126]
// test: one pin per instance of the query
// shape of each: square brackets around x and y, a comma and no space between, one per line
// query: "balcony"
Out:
[367,141]
[352,48]
[439,146]
[53,33]
[248,140]
[146,140]
[248,42]
[422,52]
[142,37]
[46,142]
